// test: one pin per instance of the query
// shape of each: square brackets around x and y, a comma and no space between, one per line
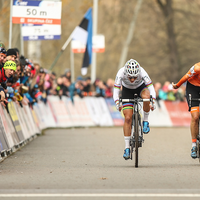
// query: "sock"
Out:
[127,141]
[146,116]
[194,142]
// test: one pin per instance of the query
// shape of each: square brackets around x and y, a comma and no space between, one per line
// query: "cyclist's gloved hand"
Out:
[153,105]
[117,106]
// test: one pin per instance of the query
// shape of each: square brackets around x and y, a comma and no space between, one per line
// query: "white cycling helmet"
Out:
[132,68]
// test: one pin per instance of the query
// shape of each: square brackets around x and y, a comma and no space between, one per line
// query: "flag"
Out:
[83,33]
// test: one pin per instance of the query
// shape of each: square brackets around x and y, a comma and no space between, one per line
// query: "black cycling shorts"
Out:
[129,93]
[194,91]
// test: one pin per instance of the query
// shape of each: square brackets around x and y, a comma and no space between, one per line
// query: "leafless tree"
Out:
[167,10]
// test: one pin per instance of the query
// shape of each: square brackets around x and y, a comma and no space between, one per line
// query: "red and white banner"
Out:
[98,45]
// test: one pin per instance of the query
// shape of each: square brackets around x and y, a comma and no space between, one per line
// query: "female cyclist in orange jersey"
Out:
[193,87]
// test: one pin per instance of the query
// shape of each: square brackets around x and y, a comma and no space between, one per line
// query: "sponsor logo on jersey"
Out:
[192,71]
[147,80]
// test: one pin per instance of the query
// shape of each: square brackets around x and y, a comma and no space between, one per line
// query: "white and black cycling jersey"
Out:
[122,80]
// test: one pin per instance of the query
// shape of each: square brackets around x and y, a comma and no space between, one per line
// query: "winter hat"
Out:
[11,52]
[3,51]
[10,65]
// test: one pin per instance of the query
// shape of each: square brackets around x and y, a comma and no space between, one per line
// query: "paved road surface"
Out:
[87,163]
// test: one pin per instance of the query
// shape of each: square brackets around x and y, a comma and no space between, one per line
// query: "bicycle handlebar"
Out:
[135,100]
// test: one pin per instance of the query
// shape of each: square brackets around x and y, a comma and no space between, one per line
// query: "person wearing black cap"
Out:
[3,54]
[17,52]
[11,54]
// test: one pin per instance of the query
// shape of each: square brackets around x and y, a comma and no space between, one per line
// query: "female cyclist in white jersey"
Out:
[133,79]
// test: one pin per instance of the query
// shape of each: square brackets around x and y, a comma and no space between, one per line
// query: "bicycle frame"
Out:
[136,126]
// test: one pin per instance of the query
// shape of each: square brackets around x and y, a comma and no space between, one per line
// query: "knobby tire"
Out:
[136,134]
[198,156]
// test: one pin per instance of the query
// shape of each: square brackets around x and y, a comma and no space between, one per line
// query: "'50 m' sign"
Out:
[36,12]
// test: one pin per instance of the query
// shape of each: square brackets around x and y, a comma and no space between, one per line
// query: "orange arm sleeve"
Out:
[194,70]
[183,80]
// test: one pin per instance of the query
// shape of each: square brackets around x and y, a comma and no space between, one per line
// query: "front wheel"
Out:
[136,136]
[198,150]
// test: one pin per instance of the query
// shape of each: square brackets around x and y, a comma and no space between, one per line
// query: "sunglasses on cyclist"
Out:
[132,77]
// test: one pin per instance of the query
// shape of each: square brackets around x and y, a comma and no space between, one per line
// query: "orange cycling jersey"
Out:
[192,76]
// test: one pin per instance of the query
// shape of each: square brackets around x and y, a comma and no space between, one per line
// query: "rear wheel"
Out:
[136,134]
[131,147]
[198,150]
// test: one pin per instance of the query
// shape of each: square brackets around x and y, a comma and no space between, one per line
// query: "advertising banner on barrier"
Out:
[160,116]
[117,117]
[82,110]
[28,119]
[22,121]
[178,113]
[15,120]
[6,128]
[47,116]
[99,111]
[6,142]
[11,127]
[93,110]
[78,111]
[170,113]
[106,119]
[59,110]
[34,127]
[36,121]
[40,117]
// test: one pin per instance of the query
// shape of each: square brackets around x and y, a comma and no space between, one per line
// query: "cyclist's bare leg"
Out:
[127,122]
[146,95]
[194,128]
[194,125]
[127,131]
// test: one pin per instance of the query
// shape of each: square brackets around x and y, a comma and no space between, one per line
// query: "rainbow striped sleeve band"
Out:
[150,84]
[117,86]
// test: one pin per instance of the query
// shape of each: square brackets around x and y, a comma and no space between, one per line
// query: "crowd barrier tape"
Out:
[20,124]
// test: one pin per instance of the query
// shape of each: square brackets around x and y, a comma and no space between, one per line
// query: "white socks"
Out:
[146,116]
[194,144]
[127,141]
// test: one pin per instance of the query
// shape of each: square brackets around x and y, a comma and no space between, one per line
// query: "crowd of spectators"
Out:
[31,83]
